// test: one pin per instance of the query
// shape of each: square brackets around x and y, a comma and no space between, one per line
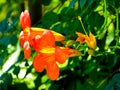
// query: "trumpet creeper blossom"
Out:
[43,41]
[90,40]
[49,54]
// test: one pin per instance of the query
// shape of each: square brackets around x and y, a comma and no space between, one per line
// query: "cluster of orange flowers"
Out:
[43,42]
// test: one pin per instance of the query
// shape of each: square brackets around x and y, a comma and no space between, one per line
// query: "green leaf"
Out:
[1,61]
[8,79]
[110,35]
[72,3]
[48,19]
[3,86]
[82,3]
[114,83]
[54,86]
[45,2]
[16,70]
[11,39]
[90,66]
[95,20]
[78,85]
[90,2]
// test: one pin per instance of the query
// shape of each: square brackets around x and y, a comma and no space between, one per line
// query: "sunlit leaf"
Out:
[110,35]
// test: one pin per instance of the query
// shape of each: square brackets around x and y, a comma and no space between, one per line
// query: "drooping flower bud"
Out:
[25,19]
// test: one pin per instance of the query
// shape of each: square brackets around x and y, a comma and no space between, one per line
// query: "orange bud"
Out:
[25,19]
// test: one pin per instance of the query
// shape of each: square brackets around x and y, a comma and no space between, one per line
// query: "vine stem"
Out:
[104,80]
[117,26]
[80,19]
[102,29]
[105,6]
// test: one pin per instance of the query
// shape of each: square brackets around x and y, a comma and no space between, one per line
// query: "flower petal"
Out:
[92,37]
[91,41]
[52,70]
[46,40]
[58,36]
[70,52]
[22,38]
[25,19]
[42,60]
[36,44]
[60,55]
[36,31]
[27,50]
[25,36]
[81,37]
[39,63]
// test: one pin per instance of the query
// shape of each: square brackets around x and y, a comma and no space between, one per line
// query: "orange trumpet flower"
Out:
[90,40]
[43,41]
[49,54]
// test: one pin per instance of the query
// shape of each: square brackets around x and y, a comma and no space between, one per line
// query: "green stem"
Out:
[117,26]
[79,18]
[105,6]
[105,15]
[78,46]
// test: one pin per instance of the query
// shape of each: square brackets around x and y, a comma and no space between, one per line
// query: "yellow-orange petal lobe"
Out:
[25,19]
[52,70]
[91,41]
[60,55]
[58,36]
[39,31]
[48,50]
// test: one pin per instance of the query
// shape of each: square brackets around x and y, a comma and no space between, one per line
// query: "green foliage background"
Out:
[98,70]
